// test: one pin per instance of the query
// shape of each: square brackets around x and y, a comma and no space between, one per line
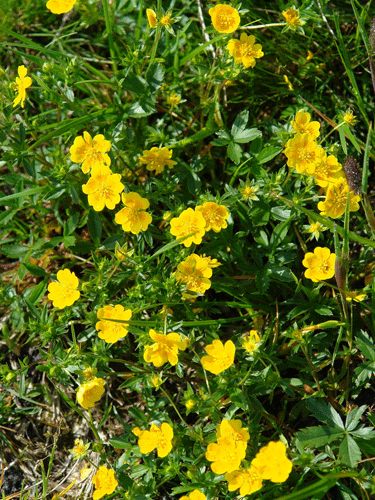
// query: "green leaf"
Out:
[37,292]
[325,413]
[71,224]
[365,345]
[267,154]
[349,452]
[247,135]
[240,123]
[34,270]
[319,435]
[353,417]
[234,152]
[121,442]
[14,251]
[260,213]
[95,226]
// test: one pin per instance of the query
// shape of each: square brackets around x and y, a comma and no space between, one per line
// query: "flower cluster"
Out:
[191,225]
[159,438]
[270,463]
[165,348]
[229,450]
[307,157]
[195,272]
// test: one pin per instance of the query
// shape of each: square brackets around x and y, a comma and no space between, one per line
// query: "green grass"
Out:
[101,69]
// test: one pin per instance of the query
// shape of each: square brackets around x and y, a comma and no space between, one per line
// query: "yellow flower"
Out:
[232,429]
[320,264]
[292,18]
[248,192]
[328,170]
[212,263]
[60,6]
[156,381]
[225,18]
[85,472]
[247,480]
[220,357]
[354,295]
[245,50]
[157,159]
[195,272]
[335,202]
[90,392]
[315,229]
[303,124]
[110,331]
[104,482]
[215,216]
[251,342]
[272,463]
[80,449]
[22,83]
[90,152]
[189,223]
[64,292]
[173,99]
[89,373]
[152,19]
[157,437]
[133,217]
[303,153]
[190,403]
[226,455]
[166,20]
[288,82]
[164,349]
[103,188]
[349,118]
[194,495]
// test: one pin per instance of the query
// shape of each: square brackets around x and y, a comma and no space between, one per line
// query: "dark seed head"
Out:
[353,174]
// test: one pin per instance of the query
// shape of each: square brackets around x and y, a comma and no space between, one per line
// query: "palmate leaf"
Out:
[319,435]
[325,413]
[349,452]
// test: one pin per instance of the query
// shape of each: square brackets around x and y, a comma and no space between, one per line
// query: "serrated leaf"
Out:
[240,123]
[234,152]
[365,345]
[319,435]
[260,213]
[14,251]
[325,413]
[247,135]
[353,417]
[349,452]
[34,270]
[364,372]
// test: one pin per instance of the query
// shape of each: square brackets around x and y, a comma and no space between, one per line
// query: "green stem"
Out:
[93,428]
[108,24]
